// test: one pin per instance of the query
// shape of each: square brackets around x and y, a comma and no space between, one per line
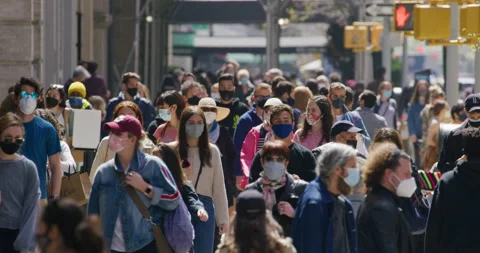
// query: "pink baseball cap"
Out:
[125,123]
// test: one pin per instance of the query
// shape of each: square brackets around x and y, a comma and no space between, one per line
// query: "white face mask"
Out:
[210,117]
[28,105]
[405,188]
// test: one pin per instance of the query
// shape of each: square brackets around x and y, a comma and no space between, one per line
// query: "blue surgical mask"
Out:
[194,130]
[274,170]
[338,103]
[164,115]
[76,102]
[353,177]
[282,130]
[387,93]
[244,80]
[462,116]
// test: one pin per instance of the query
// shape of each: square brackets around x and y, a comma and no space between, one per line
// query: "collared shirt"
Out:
[109,199]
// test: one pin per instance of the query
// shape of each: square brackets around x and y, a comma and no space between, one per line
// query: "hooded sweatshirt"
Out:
[453,221]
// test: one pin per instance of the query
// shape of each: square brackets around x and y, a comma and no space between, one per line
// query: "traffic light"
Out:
[355,37]
[469,20]
[403,16]
[375,34]
[432,22]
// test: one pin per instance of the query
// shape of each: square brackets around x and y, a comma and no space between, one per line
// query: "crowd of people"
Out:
[231,164]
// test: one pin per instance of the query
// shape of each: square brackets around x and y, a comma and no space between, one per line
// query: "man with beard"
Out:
[324,216]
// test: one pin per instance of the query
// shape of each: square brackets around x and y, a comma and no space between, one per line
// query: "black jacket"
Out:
[453,223]
[302,163]
[452,149]
[152,127]
[190,198]
[292,191]
[237,109]
[382,226]
[228,152]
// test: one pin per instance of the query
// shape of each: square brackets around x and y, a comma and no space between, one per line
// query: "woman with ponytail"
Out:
[64,228]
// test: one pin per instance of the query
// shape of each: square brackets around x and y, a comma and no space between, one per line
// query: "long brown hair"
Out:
[203,142]
[171,159]
[261,234]
[10,119]
[327,120]
[131,105]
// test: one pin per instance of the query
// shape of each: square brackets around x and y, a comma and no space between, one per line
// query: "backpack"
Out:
[178,229]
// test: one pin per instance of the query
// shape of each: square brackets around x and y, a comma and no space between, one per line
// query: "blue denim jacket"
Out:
[313,225]
[109,199]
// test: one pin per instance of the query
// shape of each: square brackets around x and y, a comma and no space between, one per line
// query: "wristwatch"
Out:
[148,190]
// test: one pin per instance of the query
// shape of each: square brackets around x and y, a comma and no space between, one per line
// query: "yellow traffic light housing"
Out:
[375,35]
[355,37]
[469,20]
[432,22]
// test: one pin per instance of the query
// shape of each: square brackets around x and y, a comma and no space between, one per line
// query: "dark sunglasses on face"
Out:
[209,109]
[337,97]
[25,94]
[18,141]
[263,97]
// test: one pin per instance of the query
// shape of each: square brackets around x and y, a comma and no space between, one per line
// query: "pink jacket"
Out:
[249,149]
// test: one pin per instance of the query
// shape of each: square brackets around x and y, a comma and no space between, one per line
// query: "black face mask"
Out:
[261,103]
[290,101]
[226,94]
[10,148]
[352,143]
[51,102]
[132,91]
[474,124]
[193,100]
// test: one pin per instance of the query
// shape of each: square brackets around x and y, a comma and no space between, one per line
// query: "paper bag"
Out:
[76,187]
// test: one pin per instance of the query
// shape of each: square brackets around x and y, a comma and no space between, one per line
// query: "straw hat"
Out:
[222,112]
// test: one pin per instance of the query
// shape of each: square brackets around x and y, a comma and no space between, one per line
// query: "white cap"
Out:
[273,102]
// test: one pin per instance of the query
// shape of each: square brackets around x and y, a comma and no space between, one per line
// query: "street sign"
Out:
[379,10]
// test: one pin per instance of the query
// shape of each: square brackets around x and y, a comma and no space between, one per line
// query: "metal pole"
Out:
[477,71]
[146,58]
[271,34]
[137,37]
[360,57]
[453,57]
[387,48]
[405,62]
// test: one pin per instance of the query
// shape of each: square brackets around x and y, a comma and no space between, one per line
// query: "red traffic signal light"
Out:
[403,16]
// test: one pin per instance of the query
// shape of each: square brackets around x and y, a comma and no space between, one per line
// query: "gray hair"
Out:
[334,155]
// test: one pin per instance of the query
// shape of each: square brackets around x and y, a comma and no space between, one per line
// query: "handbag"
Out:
[161,242]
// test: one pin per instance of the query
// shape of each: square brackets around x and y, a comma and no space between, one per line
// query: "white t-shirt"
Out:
[118,244]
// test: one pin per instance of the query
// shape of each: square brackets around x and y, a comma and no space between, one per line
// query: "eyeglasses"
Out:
[263,97]
[18,141]
[55,86]
[279,159]
[25,94]
[209,109]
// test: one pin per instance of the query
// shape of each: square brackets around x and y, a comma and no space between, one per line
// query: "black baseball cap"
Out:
[472,103]
[344,126]
[250,203]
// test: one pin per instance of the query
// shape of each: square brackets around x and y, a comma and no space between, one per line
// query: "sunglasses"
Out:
[209,109]
[263,97]
[334,97]
[18,141]
[25,94]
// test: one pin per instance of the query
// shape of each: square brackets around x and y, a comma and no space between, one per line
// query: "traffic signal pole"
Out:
[451,80]
[386,47]
[273,10]
[477,71]
[363,60]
